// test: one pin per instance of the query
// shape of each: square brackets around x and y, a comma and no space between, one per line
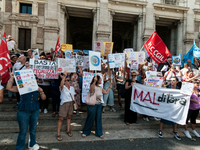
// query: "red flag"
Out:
[57,48]
[157,49]
[4,60]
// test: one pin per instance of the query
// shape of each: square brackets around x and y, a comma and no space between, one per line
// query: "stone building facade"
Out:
[128,23]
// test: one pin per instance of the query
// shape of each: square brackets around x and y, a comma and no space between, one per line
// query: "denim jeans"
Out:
[94,114]
[27,119]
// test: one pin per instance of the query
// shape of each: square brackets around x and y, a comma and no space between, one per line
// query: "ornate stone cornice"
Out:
[167,6]
[137,3]
[23,17]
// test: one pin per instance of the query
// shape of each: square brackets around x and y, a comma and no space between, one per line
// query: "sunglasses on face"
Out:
[173,80]
[68,80]
[133,75]
[197,82]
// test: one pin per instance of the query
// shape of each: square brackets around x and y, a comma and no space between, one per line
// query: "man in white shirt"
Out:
[20,65]
[11,43]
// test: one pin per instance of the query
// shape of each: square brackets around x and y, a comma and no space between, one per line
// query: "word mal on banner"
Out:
[158,101]
[87,79]
[94,60]
[98,46]
[107,48]
[154,79]
[176,60]
[44,69]
[79,60]
[68,65]
[65,47]
[26,82]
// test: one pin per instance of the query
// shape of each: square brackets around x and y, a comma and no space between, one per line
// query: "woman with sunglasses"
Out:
[66,104]
[129,116]
[193,110]
[95,111]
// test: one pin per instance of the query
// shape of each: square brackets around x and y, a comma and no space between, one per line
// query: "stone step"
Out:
[11,116]
[78,124]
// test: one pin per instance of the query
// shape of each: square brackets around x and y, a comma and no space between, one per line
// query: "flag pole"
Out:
[141,48]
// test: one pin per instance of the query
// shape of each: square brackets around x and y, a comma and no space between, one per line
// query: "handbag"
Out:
[74,105]
[91,98]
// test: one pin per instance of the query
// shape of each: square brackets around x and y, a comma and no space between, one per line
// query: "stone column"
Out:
[103,30]
[62,24]
[94,37]
[135,37]
[180,38]
[172,42]
[139,33]
[34,8]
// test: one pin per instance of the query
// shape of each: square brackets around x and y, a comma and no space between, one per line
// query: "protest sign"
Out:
[154,79]
[168,104]
[139,56]
[128,50]
[98,47]
[134,64]
[176,60]
[187,88]
[25,81]
[68,54]
[85,61]
[79,60]
[65,47]
[94,61]
[107,48]
[87,79]
[157,49]
[68,65]
[111,61]
[44,69]
[116,60]
[36,54]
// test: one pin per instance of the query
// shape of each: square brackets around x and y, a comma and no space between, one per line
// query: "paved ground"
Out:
[126,144]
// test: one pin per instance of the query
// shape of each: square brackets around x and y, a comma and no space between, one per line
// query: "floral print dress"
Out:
[75,84]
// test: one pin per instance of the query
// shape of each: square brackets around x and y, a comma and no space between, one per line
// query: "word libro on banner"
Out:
[44,69]
[94,60]
[168,104]
[87,79]
[25,80]
[157,49]
[68,65]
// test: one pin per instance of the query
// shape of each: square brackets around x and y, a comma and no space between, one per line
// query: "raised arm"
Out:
[107,91]
[1,95]
[93,85]
[9,85]
[63,80]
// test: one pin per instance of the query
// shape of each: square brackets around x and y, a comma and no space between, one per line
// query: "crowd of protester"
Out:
[67,89]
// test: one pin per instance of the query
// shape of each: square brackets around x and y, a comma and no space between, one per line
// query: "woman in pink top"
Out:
[193,110]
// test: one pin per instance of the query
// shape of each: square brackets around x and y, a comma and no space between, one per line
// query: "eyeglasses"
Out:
[68,80]
[197,82]
[133,75]
[173,80]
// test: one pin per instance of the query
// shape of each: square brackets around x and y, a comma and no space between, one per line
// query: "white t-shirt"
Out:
[10,44]
[17,66]
[45,83]
[170,74]
[184,70]
[1,87]
[65,94]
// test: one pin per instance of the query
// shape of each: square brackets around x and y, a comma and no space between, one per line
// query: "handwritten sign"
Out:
[154,79]
[44,69]
[85,61]
[187,88]
[79,60]
[139,56]
[87,79]
[68,65]
[25,81]
[116,60]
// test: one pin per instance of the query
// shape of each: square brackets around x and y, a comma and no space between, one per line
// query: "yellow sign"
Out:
[107,48]
[65,47]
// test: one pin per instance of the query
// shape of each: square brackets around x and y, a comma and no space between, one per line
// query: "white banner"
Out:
[68,65]
[95,60]
[168,104]
[26,82]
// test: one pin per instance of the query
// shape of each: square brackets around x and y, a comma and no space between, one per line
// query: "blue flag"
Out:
[189,55]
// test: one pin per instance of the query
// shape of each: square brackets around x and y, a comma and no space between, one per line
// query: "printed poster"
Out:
[65,47]
[154,79]
[94,61]
[116,60]
[87,79]
[139,56]
[98,47]
[44,69]
[127,50]
[36,54]
[134,64]
[68,65]
[107,48]
[111,61]
[187,88]
[25,80]
[68,54]
[85,61]
[176,60]
[79,60]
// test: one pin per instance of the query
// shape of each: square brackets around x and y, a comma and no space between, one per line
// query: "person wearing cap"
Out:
[11,43]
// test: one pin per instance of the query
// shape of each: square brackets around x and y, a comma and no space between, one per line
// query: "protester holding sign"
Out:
[66,105]
[110,96]
[129,115]
[95,111]
[27,114]
[193,110]
[173,85]
[189,76]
